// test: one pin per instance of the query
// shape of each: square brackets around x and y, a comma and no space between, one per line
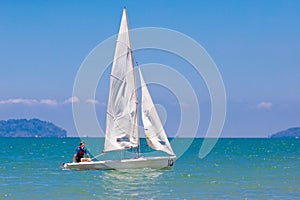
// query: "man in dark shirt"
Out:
[80,152]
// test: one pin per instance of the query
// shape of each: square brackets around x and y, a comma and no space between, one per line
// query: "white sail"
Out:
[121,118]
[154,132]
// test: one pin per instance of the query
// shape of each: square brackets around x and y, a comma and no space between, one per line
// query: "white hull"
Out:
[134,163]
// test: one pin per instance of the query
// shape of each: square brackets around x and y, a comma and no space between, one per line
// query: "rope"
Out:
[97,156]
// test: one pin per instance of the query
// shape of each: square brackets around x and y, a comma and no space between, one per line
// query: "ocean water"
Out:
[234,169]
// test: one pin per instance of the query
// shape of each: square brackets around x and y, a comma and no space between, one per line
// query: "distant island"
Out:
[289,133]
[30,128]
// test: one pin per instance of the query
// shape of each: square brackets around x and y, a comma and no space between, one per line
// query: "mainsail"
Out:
[121,118]
[154,132]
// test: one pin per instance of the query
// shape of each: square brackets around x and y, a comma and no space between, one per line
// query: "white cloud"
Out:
[183,104]
[92,101]
[19,101]
[71,100]
[264,105]
[49,102]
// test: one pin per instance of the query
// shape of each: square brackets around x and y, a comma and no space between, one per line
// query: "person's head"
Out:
[81,144]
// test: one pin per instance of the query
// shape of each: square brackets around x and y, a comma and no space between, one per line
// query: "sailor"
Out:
[80,152]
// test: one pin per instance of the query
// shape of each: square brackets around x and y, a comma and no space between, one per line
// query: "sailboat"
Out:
[122,130]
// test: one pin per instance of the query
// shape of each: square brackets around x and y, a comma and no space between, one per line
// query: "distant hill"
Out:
[289,133]
[30,128]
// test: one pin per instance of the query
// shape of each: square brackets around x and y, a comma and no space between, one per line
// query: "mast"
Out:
[135,91]
[137,116]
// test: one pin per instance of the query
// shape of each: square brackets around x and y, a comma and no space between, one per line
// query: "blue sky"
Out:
[255,45]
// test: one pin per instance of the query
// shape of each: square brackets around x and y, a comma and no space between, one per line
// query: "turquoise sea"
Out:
[234,169]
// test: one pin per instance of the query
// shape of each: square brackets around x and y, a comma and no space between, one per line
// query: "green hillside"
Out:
[30,128]
[289,133]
